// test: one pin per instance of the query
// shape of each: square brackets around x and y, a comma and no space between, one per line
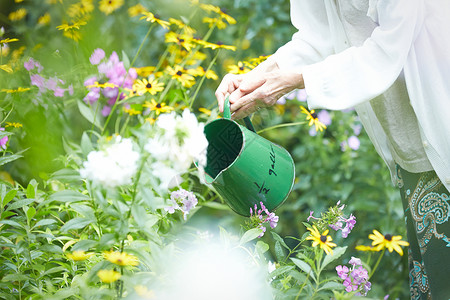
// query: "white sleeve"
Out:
[359,74]
[312,42]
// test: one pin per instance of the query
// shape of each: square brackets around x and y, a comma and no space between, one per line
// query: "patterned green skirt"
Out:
[426,204]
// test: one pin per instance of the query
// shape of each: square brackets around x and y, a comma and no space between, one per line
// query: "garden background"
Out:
[62,100]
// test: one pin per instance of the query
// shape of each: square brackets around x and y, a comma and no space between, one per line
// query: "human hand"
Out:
[261,87]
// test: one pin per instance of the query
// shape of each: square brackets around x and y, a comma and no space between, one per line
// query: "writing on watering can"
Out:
[262,187]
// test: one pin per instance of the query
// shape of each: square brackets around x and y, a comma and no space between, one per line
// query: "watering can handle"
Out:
[227,115]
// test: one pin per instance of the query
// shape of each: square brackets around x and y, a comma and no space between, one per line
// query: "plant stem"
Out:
[203,79]
[279,126]
[376,264]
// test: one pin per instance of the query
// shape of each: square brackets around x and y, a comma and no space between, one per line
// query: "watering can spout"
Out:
[245,168]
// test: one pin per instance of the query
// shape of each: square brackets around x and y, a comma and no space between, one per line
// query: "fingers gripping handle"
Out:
[227,115]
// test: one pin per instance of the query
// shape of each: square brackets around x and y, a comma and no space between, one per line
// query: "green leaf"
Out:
[31,189]
[68,196]
[250,235]
[88,113]
[12,223]
[44,222]
[19,204]
[279,252]
[280,271]
[280,239]
[86,144]
[216,205]
[76,223]
[15,277]
[84,245]
[304,267]
[9,158]
[331,285]
[8,197]
[54,270]
[139,215]
[125,60]
[66,175]
[261,247]
[337,252]
[30,213]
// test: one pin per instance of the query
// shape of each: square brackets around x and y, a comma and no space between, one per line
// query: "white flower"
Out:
[113,166]
[178,142]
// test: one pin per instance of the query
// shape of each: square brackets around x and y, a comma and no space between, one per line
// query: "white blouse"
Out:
[410,37]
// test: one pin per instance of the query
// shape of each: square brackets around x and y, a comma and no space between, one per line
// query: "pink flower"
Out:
[342,271]
[106,110]
[353,142]
[3,140]
[59,92]
[97,56]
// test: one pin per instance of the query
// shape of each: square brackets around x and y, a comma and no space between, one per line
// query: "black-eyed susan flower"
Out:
[151,86]
[80,9]
[213,46]
[44,19]
[121,258]
[157,107]
[210,8]
[218,22]
[13,124]
[324,240]
[240,68]
[18,14]
[150,120]
[8,40]
[226,16]
[205,111]
[150,17]
[184,40]
[136,10]
[313,119]
[387,241]
[366,248]
[109,6]
[181,75]
[101,85]
[6,68]
[79,255]
[108,276]
[257,60]
[144,292]
[131,111]
[70,27]
[181,25]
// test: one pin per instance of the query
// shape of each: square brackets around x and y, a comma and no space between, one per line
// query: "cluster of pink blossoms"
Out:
[256,216]
[3,140]
[356,278]
[53,84]
[112,72]
[339,220]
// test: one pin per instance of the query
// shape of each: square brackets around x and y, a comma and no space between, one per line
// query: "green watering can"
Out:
[245,168]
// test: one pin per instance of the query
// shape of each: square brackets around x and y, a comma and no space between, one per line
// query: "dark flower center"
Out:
[149,85]
[241,68]
[323,238]
[314,115]
[181,40]
[110,1]
[388,237]
[219,43]
[158,105]
[179,73]
[157,16]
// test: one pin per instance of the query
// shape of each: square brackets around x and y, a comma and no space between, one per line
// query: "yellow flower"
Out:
[157,107]
[108,6]
[8,40]
[78,255]
[151,86]
[200,71]
[18,14]
[218,22]
[240,68]
[108,276]
[66,26]
[74,35]
[102,85]
[227,17]
[365,248]
[150,120]
[18,90]
[6,68]
[183,40]
[387,241]
[256,61]
[45,19]
[213,46]
[181,75]
[210,8]
[149,17]
[13,124]
[187,29]
[80,9]
[144,292]
[311,116]
[136,10]
[131,111]
[121,259]
[324,240]
[205,111]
